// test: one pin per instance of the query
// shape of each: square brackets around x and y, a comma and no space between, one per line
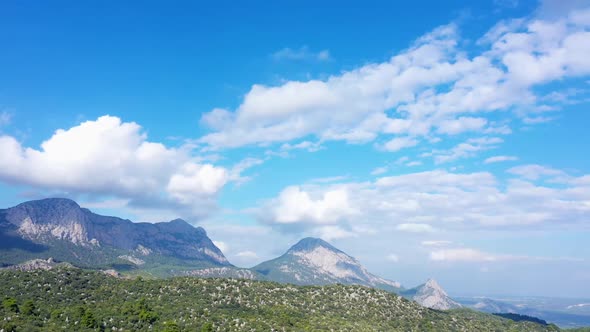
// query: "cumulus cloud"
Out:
[110,157]
[432,87]
[399,143]
[429,201]
[295,205]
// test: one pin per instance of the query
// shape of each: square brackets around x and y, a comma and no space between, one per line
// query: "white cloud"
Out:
[305,145]
[222,246]
[431,87]
[379,170]
[247,254]
[331,232]
[111,157]
[432,200]
[461,125]
[236,171]
[474,255]
[436,243]
[531,120]
[399,143]
[467,149]
[392,258]
[295,205]
[463,255]
[535,172]
[415,228]
[193,180]
[302,53]
[498,159]
[5,118]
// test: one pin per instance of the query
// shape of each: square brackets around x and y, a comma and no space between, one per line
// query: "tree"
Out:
[10,304]
[28,308]
[208,327]
[148,316]
[88,320]
[171,327]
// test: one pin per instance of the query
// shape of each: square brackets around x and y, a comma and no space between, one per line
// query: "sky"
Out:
[428,139]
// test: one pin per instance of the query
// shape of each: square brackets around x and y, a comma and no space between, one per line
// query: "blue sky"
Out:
[427,139]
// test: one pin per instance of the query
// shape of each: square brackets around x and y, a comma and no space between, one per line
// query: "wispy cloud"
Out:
[474,255]
[392,258]
[5,118]
[415,228]
[436,243]
[498,159]
[302,53]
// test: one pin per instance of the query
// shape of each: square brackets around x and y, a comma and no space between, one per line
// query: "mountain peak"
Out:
[56,202]
[179,223]
[432,284]
[431,295]
[55,222]
[313,261]
[310,243]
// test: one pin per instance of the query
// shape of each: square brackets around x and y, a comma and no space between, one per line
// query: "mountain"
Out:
[493,306]
[431,295]
[59,228]
[313,261]
[554,310]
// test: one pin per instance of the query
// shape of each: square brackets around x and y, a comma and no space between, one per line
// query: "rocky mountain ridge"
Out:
[37,232]
[431,295]
[313,261]
[60,228]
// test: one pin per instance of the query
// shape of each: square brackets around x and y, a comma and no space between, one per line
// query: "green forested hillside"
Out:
[69,299]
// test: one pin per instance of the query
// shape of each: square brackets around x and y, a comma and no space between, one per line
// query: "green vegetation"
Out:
[70,299]
[521,318]
[154,266]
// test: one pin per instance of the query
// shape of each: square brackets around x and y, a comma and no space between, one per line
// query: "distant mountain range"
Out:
[565,312]
[59,229]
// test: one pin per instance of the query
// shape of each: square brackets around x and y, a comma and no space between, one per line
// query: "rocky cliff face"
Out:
[431,295]
[48,219]
[315,262]
[62,228]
